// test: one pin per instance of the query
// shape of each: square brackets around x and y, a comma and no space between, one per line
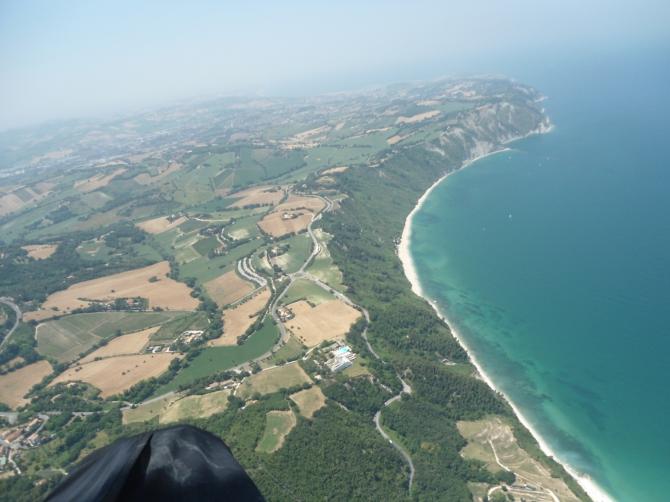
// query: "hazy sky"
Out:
[62,59]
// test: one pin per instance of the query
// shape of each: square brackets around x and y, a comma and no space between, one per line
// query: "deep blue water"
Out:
[553,260]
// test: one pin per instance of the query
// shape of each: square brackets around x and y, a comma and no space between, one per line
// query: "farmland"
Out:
[161,224]
[292,216]
[65,338]
[278,425]
[273,379]
[149,282]
[40,251]
[244,227]
[323,267]
[196,406]
[204,269]
[148,411]
[15,385]
[131,343]
[309,401]
[279,223]
[170,329]
[326,321]
[237,320]
[299,248]
[114,375]
[215,359]
[303,289]
[335,170]
[97,181]
[263,195]
[228,288]
[287,352]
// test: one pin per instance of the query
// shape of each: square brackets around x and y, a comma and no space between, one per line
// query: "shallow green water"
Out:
[553,261]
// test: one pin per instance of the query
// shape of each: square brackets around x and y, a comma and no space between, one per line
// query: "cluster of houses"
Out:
[187,337]
[21,437]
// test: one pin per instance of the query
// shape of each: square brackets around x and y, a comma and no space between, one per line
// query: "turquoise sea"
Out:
[553,261]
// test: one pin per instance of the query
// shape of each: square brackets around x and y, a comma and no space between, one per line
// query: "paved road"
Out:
[401,450]
[10,303]
[406,389]
[247,271]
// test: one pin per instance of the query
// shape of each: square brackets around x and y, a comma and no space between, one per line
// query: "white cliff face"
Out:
[486,128]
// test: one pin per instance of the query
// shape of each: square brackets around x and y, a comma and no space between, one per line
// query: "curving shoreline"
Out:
[589,485]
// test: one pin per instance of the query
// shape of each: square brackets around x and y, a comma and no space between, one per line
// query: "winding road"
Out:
[17,311]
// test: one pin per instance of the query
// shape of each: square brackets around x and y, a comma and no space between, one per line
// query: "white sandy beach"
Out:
[589,486]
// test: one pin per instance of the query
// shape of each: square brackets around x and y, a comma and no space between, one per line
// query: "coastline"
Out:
[594,491]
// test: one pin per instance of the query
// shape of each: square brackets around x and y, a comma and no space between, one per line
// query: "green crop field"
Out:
[192,186]
[215,359]
[191,225]
[281,163]
[204,246]
[248,175]
[198,406]
[65,338]
[278,424]
[184,251]
[174,327]
[300,248]
[219,160]
[259,263]
[323,266]
[272,380]
[302,289]
[146,412]
[287,352]
[244,228]
[213,205]
[165,240]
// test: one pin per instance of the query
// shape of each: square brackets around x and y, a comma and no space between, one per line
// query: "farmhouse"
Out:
[285,313]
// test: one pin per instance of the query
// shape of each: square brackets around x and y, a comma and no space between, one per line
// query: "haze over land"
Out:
[61,60]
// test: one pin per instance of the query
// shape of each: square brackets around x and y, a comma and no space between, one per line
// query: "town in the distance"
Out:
[233,264]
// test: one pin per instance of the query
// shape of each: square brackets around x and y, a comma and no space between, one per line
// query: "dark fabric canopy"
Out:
[177,463]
